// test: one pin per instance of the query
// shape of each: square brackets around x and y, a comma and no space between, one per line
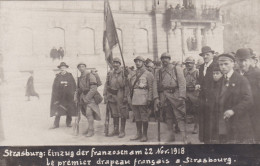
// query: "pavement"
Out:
[28,122]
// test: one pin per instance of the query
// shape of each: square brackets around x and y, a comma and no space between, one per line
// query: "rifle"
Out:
[159,110]
[77,120]
[159,122]
[107,122]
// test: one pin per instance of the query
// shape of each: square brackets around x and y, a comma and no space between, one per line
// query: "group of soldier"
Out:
[221,94]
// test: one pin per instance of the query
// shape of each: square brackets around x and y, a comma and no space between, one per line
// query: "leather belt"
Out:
[112,91]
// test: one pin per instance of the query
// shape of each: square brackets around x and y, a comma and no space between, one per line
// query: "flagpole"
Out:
[120,49]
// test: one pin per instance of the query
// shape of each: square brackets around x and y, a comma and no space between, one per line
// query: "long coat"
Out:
[30,91]
[116,81]
[62,100]
[235,95]
[143,89]
[170,80]
[253,76]
[88,83]
[204,115]
[213,112]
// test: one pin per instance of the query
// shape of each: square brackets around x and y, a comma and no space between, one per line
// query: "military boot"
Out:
[171,136]
[116,127]
[122,129]
[90,127]
[139,131]
[145,128]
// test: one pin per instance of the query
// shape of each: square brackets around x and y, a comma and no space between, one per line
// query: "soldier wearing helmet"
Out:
[191,75]
[141,86]
[115,95]
[170,93]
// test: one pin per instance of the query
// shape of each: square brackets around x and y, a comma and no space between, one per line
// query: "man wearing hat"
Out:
[115,94]
[141,87]
[85,96]
[204,85]
[234,101]
[62,103]
[246,67]
[191,75]
[170,93]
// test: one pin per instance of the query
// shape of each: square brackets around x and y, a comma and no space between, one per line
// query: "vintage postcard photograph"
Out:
[129,72]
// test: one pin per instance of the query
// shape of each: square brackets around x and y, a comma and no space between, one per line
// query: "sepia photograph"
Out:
[129,72]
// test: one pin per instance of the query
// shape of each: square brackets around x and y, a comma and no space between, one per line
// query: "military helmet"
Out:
[117,60]
[189,59]
[166,55]
[81,63]
[139,58]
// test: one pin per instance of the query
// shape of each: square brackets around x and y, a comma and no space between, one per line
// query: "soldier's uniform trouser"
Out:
[90,117]
[172,115]
[57,120]
[141,113]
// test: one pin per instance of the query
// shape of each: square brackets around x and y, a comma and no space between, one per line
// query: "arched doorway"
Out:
[86,42]
[56,37]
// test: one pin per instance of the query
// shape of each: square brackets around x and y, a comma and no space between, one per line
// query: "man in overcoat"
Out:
[30,91]
[140,97]
[85,96]
[204,85]
[62,103]
[170,94]
[115,95]
[246,65]
[234,101]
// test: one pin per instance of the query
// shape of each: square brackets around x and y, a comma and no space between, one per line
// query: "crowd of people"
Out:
[221,95]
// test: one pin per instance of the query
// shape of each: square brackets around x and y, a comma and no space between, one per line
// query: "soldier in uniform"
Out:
[141,87]
[85,96]
[191,75]
[63,90]
[115,95]
[246,65]
[170,93]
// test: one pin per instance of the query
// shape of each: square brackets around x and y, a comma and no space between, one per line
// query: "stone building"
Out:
[241,22]
[29,29]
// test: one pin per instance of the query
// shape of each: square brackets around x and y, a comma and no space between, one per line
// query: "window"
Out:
[86,41]
[56,38]
[141,41]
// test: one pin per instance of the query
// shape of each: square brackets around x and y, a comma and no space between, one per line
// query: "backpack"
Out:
[99,83]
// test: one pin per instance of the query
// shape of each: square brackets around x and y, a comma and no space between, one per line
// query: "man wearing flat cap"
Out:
[115,95]
[141,87]
[85,93]
[246,65]
[62,103]
[192,75]
[170,93]
[204,85]
[233,102]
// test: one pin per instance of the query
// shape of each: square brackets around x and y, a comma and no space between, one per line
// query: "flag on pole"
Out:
[109,36]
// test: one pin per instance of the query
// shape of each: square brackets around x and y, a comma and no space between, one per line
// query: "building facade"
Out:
[30,29]
[241,22]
